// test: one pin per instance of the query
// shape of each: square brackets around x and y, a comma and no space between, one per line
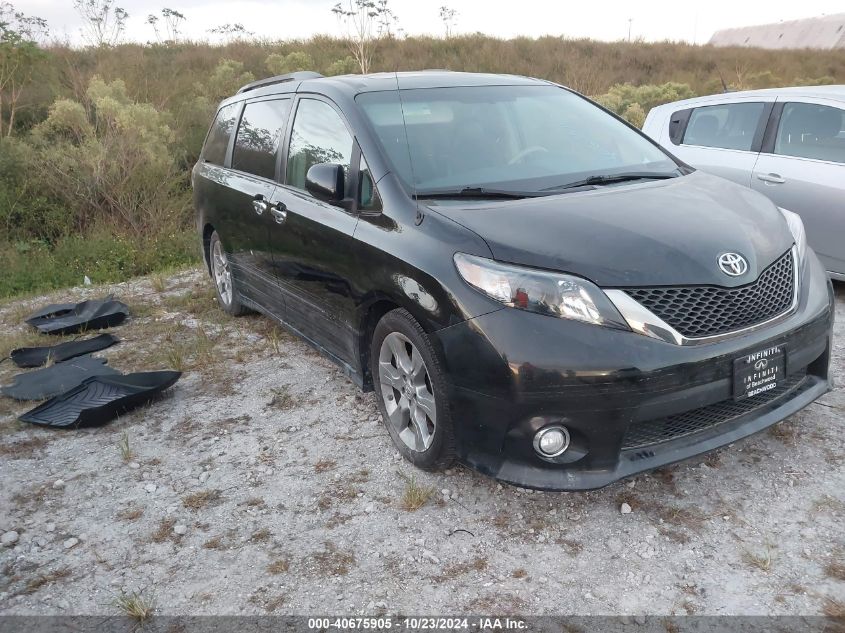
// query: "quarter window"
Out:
[318,136]
[814,131]
[729,126]
[218,137]
[259,136]
[367,194]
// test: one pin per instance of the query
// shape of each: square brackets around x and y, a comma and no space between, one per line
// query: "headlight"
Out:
[796,225]
[552,294]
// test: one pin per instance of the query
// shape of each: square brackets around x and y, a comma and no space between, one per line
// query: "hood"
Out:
[668,232]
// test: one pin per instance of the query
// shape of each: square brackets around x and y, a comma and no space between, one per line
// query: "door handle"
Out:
[774,179]
[280,212]
[259,204]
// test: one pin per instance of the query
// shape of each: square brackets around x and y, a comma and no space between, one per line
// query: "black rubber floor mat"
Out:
[101,399]
[27,357]
[51,381]
[69,318]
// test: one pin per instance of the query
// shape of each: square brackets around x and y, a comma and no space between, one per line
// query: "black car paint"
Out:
[598,381]
[328,273]
[644,234]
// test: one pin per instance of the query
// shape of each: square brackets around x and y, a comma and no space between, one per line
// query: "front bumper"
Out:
[513,372]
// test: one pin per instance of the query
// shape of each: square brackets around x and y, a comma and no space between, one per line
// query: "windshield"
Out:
[519,138]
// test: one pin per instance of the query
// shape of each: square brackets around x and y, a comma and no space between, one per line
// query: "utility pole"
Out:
[629,28]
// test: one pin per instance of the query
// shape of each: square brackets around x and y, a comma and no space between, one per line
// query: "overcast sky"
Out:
[602,19]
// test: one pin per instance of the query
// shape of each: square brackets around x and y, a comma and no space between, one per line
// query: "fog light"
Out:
[551,441]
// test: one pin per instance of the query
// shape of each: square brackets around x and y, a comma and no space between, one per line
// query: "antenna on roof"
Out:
[722,79]
[420,215]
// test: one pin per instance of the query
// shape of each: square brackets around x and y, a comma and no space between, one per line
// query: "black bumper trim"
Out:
[650,458]
[651,432]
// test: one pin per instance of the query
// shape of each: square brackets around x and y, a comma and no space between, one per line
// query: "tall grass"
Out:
[162,75]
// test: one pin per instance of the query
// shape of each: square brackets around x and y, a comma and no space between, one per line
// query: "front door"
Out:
[311,240]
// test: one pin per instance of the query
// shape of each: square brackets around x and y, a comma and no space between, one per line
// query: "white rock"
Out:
[181,529]
[59,484]
[203,477]
[430,557]
[86,280]
[71,542]
[9,538]
[134,465]
[625,509]
[50,527]
[151,488]
[370,508]
[445,492]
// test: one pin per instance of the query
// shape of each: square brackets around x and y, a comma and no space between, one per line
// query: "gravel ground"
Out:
[264,482]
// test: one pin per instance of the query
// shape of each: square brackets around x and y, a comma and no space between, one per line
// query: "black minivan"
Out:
[530,284]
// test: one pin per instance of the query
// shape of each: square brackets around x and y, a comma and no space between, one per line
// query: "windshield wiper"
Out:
[614,178]
[478,192]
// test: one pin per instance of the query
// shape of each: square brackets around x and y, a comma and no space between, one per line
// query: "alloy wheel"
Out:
[407,392]
[222,273]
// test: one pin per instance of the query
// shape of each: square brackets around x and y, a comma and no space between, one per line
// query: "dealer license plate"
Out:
[759,372]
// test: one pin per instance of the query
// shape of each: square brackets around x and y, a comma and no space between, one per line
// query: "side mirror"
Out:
[325,181]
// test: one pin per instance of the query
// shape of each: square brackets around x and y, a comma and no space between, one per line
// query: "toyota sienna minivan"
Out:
[529,284]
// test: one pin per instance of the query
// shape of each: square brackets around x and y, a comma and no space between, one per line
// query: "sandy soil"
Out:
[264,482]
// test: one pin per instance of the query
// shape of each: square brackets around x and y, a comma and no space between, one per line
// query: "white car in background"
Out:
[787,143]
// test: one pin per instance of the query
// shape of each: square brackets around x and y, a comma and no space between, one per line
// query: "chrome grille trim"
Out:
[644,321]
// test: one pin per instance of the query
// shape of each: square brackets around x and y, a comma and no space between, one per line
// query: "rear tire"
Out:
[221,275]
[411,391]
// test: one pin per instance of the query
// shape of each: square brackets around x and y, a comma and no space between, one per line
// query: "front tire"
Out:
[411,391]
[221,274]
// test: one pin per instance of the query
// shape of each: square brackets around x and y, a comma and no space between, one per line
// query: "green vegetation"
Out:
[97,143]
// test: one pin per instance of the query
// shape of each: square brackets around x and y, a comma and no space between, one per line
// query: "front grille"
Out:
[698,311]
[651,432]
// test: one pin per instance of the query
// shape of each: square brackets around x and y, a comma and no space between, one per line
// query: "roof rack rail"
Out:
[300,76]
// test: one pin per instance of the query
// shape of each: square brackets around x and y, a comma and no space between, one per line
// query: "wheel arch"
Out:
[207,230]
[371,315]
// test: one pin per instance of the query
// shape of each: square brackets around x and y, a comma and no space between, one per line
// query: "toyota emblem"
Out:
[733,264]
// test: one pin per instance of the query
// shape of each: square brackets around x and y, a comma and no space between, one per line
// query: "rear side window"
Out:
[218,137]
[259,136]
[813,131]
[729,126]
[318,136]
